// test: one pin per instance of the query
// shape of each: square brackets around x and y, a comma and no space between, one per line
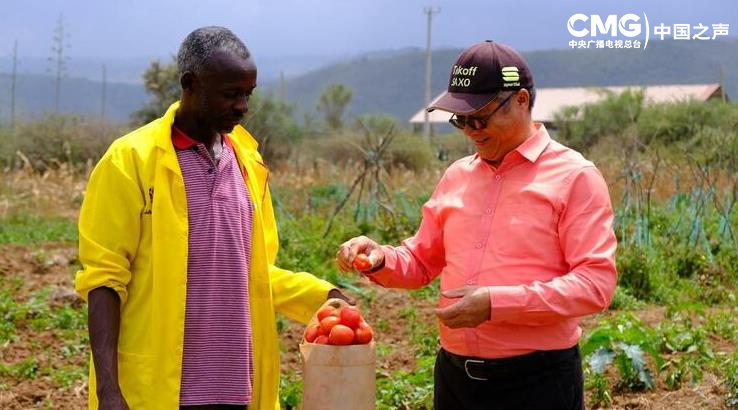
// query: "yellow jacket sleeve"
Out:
[109,227]
[297,295]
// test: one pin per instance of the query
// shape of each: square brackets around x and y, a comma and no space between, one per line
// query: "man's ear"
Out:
[523,97]
[188,81]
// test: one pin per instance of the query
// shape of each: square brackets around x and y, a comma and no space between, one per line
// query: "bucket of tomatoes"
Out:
[339,359]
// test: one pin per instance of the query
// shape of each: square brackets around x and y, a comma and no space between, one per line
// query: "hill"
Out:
[394,83]
[35,95]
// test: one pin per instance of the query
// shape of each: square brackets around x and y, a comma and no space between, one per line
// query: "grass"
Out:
[26,229]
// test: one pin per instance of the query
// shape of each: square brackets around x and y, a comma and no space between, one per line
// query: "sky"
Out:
[295,36]
[154,28]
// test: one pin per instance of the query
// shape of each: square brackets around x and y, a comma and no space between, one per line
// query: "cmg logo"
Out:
[611,25]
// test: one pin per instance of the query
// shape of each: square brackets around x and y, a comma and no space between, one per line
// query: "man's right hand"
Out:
[112,401]
[361,244]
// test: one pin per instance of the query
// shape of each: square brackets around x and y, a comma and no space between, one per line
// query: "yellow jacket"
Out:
[133,239]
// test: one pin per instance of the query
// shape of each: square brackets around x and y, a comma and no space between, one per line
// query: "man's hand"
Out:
[337,294]
[112,401]
[361,244]
[471,310]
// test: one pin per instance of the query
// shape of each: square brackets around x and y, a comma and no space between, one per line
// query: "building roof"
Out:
[549,101]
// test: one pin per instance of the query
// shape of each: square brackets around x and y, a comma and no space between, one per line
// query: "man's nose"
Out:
[242,105]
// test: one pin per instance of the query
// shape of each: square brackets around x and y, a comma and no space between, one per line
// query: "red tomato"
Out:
[321,340]
[364,334]
[312,332]
[341,335]
[362,263]
[327,311]
[328,322]
[350,317]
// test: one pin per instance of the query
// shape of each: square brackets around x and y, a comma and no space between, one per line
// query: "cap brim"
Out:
[461,103]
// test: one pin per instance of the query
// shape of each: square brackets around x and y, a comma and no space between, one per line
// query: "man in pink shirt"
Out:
[521,236]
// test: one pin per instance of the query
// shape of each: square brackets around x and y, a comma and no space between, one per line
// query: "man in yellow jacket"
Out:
[178,243]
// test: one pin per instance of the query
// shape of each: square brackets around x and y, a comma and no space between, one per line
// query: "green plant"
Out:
[625,341]
[407,390]
[28,368]
[598,384]
[731,380]
[10,313]
[723,324]
[333,103]
[678,369]
[290,390]
[161,81]
[623,300]
[31,229]
[634,271]
[66,376]
[423,335]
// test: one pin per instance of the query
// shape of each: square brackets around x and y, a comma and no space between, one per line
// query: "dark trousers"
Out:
[546,380]
[215,407]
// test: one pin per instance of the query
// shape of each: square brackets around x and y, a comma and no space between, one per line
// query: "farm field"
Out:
[668,341]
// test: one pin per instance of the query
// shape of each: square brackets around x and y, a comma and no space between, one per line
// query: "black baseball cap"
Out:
[480,73]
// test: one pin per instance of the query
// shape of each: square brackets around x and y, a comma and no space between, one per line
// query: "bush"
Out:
[55,139]
[406,150]
[272,124]
[669,123]
[634,271]
[582,127]
[452,146]
[411,152]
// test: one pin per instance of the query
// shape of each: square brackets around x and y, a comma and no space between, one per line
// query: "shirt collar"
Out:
[530,149]
[533,147]
[182,141]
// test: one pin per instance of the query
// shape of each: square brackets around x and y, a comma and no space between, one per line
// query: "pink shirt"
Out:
[537,231]
[217,357]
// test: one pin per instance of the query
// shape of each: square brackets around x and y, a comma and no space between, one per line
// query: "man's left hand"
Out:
[472,308]
[336,293]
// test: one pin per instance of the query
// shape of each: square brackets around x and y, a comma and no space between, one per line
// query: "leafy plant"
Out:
[407,390]
[598,384]
[290,390]
[624,341]
[731,380]
[634,272]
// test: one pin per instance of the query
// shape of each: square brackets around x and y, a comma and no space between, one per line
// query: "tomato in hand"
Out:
[362,263]
[341,335]
[350,317]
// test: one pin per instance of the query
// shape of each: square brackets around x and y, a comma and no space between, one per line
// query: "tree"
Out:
[333,103]
[271,121]
[162,83]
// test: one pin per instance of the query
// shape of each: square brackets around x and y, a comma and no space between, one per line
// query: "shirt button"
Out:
[469,282]
[498,177]
[478,245]
[488,211]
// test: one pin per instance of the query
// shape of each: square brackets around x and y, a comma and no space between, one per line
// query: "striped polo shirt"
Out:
[217,362]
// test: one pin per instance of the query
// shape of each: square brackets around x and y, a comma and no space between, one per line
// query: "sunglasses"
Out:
[462,121]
